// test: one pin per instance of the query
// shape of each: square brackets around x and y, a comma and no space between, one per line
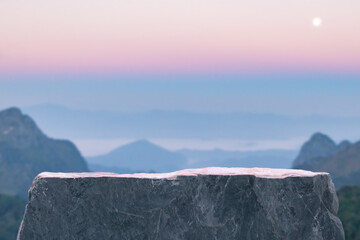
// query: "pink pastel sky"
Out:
[160,36]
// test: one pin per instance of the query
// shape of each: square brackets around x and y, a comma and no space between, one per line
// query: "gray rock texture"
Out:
[211,203]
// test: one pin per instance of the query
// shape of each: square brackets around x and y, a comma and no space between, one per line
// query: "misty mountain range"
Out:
[62,122]
[145,156]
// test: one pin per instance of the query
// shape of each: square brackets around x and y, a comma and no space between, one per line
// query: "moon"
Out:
[317,22]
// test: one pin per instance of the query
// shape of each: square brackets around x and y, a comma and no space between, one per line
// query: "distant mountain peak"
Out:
[12,111]
[143,144]
[344,145]
[321,137]
[318,146]
[19,129]
[319,134]
[142,141]
[141,155]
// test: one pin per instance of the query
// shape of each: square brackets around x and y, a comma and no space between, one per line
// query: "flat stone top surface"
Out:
[258,172]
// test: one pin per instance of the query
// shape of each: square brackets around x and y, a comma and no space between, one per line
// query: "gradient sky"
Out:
[262,56]
[187,36]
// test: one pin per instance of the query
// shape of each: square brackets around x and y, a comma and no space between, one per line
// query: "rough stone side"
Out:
[188,207]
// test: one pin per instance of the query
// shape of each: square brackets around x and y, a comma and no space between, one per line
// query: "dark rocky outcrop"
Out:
[25,152]
[211,203]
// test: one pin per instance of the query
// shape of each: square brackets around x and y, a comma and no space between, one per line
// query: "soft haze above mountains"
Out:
[257,131]
[231,112]
[297,94]
[182,124]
